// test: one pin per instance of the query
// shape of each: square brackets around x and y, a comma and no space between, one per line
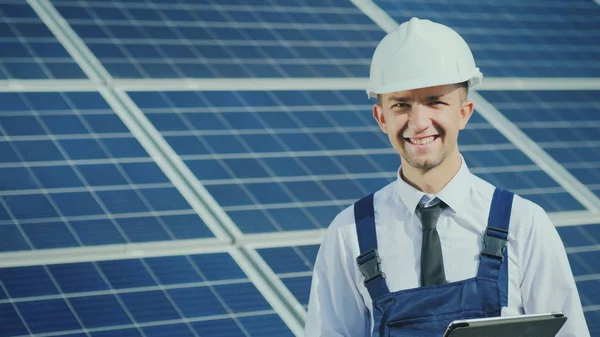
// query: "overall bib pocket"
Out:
[418,325]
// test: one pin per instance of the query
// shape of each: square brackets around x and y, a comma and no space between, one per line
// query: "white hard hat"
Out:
[420,54]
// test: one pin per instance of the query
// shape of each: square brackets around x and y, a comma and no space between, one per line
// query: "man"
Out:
[437,244]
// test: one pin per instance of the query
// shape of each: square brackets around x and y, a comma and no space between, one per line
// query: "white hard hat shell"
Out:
[419,54]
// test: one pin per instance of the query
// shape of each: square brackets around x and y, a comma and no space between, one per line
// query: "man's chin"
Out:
[423,163]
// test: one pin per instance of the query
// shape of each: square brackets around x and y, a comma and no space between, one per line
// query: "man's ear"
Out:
[465,113]
[380,117]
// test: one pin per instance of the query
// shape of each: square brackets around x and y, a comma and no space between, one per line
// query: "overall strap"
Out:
[368,260]
[493,260]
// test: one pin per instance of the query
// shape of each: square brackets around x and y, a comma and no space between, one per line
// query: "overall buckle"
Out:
[493,246]
[369,264]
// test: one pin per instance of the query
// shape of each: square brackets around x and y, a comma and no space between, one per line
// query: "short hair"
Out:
[463,85]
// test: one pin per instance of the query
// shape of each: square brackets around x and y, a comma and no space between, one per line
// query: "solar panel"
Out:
[515,38]
[73,175]
[28,50]
[583,245]
[225,39]
[70,167]
[566,124]
[196,295]
[293,265]
[578,236]
[284,160]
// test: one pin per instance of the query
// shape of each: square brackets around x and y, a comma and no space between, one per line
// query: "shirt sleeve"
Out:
[335,307]
[548,284]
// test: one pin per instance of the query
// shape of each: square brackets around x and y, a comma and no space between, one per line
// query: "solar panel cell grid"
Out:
[139,40]
[584,263]
[574,236]
[292,148]
[563,123]
[589,293]
[28,50]
[515,39]
[72,167]
[293,266]
[14,239]
[12,321]
[158,294]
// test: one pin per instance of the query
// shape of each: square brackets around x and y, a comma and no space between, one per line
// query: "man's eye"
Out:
[402,105]
[436,103]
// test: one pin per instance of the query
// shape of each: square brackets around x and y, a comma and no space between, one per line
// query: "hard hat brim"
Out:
[474,79]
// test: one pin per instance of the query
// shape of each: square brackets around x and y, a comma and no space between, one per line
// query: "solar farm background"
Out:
[168,168]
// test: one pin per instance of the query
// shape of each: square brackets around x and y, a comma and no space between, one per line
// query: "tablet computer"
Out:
[532,325]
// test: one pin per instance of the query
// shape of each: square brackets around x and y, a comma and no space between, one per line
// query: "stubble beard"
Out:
[424,164]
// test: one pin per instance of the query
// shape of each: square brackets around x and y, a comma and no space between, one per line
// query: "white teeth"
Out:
[422,141]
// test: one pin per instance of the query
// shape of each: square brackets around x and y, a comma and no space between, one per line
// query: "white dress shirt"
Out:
[539,274]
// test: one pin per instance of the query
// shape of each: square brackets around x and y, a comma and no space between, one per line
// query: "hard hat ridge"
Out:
[418,54]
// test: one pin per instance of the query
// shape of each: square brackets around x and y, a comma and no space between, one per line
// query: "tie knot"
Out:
[429,215]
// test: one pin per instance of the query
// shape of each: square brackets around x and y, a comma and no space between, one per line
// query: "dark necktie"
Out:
[432,261]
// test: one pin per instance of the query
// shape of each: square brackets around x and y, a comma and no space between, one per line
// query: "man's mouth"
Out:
[422,140]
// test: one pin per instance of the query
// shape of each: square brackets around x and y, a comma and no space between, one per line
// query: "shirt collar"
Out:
[453,194]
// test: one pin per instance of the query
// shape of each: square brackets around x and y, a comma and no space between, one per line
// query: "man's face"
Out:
[423,124]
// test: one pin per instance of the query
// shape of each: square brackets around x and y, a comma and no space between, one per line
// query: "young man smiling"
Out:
[422,126]
[439,243]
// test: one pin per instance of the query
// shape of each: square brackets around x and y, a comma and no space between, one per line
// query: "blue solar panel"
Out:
[577,236]
[70,167]
[584,263]
[204,295]
[281,161]
[274,160]
[225,39]
[515,38]
[293,265]
[566,124]
[582,243]
[28,50]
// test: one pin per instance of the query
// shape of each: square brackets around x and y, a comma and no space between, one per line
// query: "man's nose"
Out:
[418,118]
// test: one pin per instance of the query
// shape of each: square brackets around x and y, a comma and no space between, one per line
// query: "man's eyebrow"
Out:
[399,99]
[434,97]
[404,99]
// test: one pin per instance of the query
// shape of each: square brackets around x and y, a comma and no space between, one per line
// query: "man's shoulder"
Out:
[523,210]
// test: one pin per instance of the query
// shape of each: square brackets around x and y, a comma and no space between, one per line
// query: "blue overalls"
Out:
[426,311]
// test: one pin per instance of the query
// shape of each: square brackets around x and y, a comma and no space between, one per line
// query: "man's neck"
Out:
[433,180]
